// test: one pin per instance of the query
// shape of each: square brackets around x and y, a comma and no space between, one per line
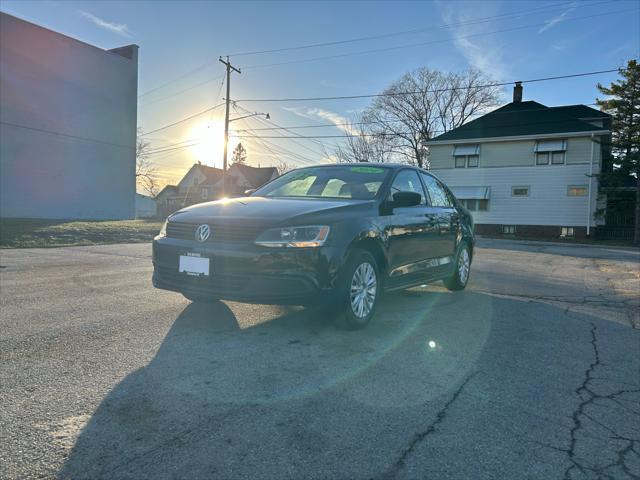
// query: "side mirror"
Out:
[249,191]
[406,199]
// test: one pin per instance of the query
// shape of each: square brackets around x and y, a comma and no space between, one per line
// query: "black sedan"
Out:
[337,235]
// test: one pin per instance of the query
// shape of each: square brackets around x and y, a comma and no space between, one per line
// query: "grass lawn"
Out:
[26,232]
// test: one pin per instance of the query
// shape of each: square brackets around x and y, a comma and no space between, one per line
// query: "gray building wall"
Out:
[68,125]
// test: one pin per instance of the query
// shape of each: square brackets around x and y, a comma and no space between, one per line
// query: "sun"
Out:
[208,139]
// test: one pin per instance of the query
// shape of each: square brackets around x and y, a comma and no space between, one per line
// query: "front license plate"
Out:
[193,265]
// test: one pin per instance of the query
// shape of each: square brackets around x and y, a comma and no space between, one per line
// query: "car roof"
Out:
[360,164]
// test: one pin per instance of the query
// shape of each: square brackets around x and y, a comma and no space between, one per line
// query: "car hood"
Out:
[267,211]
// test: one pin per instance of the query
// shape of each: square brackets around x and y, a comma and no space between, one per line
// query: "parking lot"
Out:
[531,372]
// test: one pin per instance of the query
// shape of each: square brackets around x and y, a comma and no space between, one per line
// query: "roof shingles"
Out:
[525,118]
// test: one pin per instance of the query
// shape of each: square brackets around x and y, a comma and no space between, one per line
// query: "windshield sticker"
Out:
[367,169]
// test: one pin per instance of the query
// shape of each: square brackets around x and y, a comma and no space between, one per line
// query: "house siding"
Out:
[513,153]
[547,203]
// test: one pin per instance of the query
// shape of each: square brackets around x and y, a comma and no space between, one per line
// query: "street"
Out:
[531,372]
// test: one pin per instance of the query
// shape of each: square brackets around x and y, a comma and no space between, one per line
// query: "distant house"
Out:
[145,206]
[67,125]
[525,168]
[203,183]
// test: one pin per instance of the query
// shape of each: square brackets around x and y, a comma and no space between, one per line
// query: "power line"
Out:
[392,134]
[175,79]
[67,135]
[180,92]
[271,146]
[410,45]
[292,139]
[154,150]
[183,120]
[418,92]
[350,124]
[271,122]
[372,37]
[412,31]
[382,134]
[171,149]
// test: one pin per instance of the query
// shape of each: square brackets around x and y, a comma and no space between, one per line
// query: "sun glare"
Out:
[209,142]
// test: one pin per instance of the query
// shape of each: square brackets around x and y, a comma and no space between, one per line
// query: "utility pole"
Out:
[226,121]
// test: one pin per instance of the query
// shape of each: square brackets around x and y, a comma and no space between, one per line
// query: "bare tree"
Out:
[362,146]
[146,174]
[419,106]
[283,167]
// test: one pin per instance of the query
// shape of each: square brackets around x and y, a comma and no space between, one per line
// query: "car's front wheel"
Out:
[460,275]
[359,290]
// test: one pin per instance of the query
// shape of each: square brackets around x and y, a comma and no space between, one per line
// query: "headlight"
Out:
[308,236]
[163,230]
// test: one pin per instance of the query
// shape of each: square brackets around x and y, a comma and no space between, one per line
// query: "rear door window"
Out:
[437,192]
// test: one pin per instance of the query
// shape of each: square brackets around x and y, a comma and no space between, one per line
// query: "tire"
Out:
[461,270]
[199,299]
[358,291]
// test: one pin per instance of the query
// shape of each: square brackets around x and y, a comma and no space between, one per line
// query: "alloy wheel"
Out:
[464,263]
[363,290]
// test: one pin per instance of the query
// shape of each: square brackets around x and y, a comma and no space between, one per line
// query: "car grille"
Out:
[212,284]
[219,232]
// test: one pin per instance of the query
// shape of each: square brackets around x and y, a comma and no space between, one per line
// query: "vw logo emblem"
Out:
[203,232]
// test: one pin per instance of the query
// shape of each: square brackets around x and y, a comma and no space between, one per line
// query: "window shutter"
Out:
[551,146]
[460,150]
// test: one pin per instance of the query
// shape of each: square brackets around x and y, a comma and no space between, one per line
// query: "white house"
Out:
[67,125]
[525,168]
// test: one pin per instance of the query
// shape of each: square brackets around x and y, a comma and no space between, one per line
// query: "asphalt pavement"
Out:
[532,372]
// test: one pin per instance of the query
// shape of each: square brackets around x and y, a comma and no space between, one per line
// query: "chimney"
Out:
[517,92]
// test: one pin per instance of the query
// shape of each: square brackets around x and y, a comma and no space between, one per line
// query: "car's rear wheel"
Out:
[359,290]
[462,267]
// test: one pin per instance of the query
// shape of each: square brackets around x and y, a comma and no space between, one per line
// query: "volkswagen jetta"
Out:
[336,234]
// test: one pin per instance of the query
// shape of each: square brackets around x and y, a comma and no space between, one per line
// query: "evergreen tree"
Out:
[239,154]
[623,105]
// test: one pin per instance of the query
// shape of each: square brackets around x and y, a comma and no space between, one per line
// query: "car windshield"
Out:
[355,182]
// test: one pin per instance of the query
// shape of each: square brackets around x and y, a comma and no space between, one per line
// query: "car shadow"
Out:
[236,393]
[213,363]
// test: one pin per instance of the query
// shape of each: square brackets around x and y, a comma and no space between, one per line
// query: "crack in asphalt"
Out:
[598,300]
[431,428]
[588,398]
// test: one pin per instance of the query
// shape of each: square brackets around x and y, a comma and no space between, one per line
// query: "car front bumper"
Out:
[248,273]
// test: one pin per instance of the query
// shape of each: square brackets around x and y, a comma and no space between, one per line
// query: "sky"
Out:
[180,75]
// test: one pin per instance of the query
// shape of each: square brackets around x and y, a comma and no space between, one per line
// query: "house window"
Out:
[475,205]
[466,161]
[509,229]
[550,152]
[205,193]
[557,158]
[577,190]
[520,191]
[542,158]
[567,232]
[466,156]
